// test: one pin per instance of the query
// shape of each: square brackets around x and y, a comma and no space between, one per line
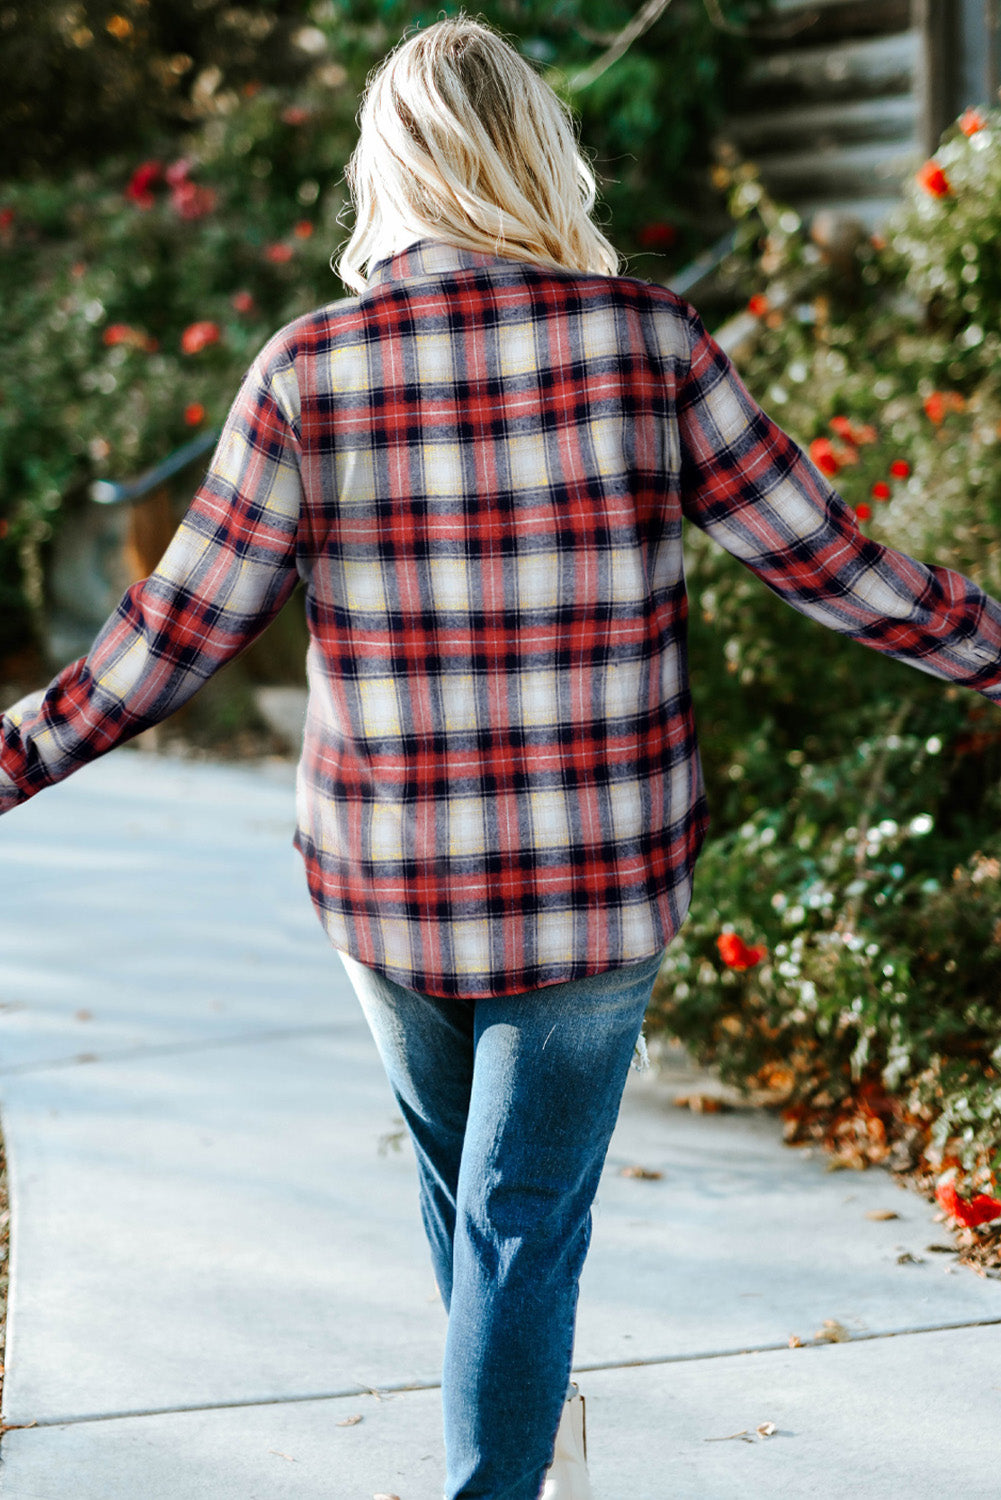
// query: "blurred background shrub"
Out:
[175,192]
[844,942]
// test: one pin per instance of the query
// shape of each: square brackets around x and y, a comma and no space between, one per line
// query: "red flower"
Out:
[939,402]
[881,490]
[736,954]
[122,333]
[141,183]
[864,512]
[658,236]
[823,455]
[278,255]
[972,120]
[900,468]
[978,1210]
[191,201]
[935,407]
[933,180]
[758,305]
[198,336]
[849,433]
[243,302]
[179,171]
[303,230]
[194,414]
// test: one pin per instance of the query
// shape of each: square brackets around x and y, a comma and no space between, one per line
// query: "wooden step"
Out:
[891,118]
[858,69]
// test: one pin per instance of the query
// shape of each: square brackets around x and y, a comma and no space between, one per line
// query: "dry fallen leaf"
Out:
[882,1213]
[701,1104]
[351,1421]
[381,1496]
[832,1332]
[907,1259]
[743,1433]
[941,1249]
[647,1173]
[766,1429]
[795,1342]
[281,1455]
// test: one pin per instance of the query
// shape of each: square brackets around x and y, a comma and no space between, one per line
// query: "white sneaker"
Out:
[566,1477]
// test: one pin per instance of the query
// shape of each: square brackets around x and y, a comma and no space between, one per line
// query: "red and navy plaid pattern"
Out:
[479,468]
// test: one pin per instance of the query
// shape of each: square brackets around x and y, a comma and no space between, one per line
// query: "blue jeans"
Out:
[510,1103]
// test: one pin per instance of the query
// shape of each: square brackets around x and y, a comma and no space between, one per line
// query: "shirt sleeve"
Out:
[228,570]
[753,490]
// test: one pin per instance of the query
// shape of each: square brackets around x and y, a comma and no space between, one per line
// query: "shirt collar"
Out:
[427,258]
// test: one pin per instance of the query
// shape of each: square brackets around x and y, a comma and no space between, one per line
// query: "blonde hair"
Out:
[461,140]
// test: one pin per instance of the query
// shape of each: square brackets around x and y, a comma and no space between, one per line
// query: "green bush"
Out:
[856,847]
[229,227]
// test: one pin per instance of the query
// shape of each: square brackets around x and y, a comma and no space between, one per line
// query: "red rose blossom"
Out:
[243,302]
[933,180]
[977,1210]
[881,490]
[194,414]
[303,230]
[758,305]
[198,336]
[179,171]
[939,402]
[658,236]
[119,333]
[143,180]
[935,407]
[823,455]
[972,120]
[279,254]
[864,512]
[900,468]
[190,200]
[736,954]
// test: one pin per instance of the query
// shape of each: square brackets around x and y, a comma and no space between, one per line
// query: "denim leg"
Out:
[548,1078]
[426,1046]
[510,1102]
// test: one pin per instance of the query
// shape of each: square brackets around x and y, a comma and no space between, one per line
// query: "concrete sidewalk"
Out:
[217,1260]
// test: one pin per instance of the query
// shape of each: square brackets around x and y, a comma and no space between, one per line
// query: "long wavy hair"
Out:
[461,140]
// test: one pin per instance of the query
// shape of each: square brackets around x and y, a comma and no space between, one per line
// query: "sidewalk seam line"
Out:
[402,1389]
[162,1049]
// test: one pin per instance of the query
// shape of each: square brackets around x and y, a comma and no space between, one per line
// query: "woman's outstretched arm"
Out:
[227,572]
[753,490]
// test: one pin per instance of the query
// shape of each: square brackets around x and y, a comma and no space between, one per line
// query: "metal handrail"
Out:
[705,264]
[105,492]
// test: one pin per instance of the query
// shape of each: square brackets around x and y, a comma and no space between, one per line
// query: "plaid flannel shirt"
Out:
[479,469]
